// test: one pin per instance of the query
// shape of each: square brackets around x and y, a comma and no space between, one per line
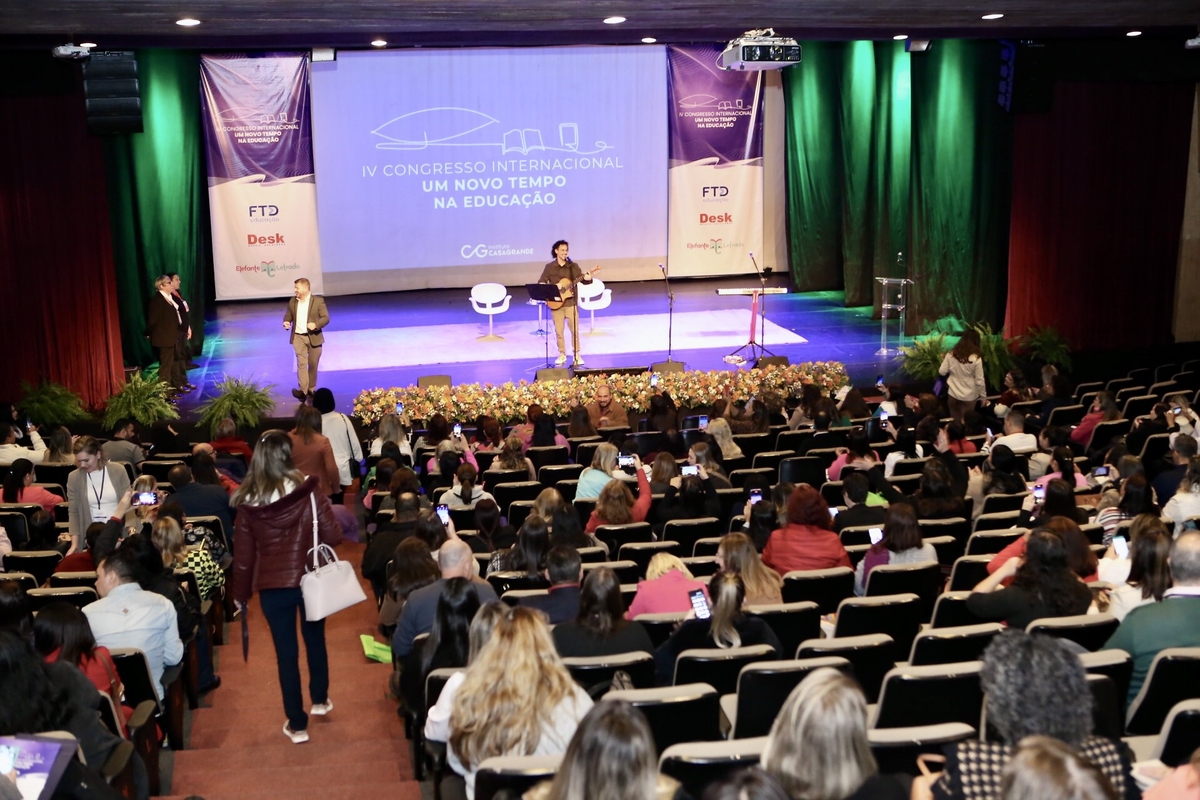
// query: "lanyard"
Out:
[99,495]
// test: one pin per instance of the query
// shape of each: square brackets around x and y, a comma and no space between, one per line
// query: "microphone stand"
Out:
[762,299]
[670,312]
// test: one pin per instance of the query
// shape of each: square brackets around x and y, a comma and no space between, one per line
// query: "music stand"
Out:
[544,292]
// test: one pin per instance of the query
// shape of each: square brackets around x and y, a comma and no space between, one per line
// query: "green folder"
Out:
[377,651]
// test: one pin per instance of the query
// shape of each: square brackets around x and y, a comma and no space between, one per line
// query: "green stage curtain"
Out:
[897,165]
[158,198]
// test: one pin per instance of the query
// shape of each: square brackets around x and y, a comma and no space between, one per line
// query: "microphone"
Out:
[752,255]
[660,266]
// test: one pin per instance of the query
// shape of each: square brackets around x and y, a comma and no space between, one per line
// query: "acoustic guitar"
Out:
[566,289]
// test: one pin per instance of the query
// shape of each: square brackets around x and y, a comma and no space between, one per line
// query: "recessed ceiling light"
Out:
[648,40]
[88,45]
[379,43]
[900,37]
[187,22]
[992,16]
[1134,33]
[613,20]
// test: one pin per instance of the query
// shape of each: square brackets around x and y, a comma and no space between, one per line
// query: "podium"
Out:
[894,297]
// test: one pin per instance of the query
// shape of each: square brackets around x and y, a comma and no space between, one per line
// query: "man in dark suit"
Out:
[855,488]
[164,324]
[305,318]
[564,570]
[200,499]
[1183,449]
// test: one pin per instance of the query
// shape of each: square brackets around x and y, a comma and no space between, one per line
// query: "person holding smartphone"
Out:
[899,542]
[1136,565]
[616,506]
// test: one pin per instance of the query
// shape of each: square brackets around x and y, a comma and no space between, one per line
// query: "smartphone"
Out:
[653,381]
[883,416]
[399,408]
[699,603]
[879,381]
[755,496]
[624,461]
[443,512]
[876,535]
[833,512]
[1101,472]
[1121,545]
[1039,493]
[990,434]
[147,498]
[1177,410]
[457,431]
[703,423]
[689,469]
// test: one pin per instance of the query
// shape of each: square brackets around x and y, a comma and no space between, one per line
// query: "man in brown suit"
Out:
[309,316]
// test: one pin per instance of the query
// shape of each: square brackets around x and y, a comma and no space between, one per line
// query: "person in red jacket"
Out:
[807,541]
[276,504]
[616,505]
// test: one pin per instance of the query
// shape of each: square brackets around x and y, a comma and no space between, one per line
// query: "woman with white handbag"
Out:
[280,513]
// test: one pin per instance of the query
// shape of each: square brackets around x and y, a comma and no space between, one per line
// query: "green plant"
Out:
[997,357]
[51,404]
[243,401]
[146,401]
[923,358]
[1047,345]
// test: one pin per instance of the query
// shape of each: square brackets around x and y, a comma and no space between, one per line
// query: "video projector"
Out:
[760,50]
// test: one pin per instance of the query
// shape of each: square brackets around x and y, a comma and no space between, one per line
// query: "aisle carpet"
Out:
[237,748]
[446,344]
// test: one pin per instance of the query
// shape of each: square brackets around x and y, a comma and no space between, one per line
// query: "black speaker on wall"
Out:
[112,94]
[1026,77]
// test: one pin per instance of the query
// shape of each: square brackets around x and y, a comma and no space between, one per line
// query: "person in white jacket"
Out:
[963,369]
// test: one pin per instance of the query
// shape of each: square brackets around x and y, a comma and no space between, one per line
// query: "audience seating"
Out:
[718,667]
[38,563]
[597,670]
[53,473]
[952,645]
[494,477]
[930,695]
[999,521]
[25,580]
[897,615]
[825,587]
[1089,631]
[567,490]
[508,492]
[553,455]
[792,623]
[677,714]
[701,565]
[1066,416]
[1178,739]
[1174,676]
[689,531]
[78,596]
[697,764]
[551,474]
[738,477]
[616,535]
[991,542]
[626,571]
[640,553]
[831,493]
[60,580]
[512,776]
[771,459]
[508,581]
[896,749]
[856,534]
[968,571]
[518,511]
[584,509]
[1115,664]
[923,578]
[142,738]
[660,626]
[706,547]
[1108,718]
[754,443]
[950,611]
[870,656]
[1105,432]
[592,555]
[160,468]
[762,689]
[910,466]
[947,548]
[996,503]
[134,670]
[16,526]
[801,469]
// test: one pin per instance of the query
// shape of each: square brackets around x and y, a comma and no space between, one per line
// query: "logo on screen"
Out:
[716,219]
[478,251]
[263,212]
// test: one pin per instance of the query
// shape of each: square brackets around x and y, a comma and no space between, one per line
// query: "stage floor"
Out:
[391,339]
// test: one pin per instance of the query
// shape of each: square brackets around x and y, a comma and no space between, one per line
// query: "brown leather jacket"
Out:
[271,548]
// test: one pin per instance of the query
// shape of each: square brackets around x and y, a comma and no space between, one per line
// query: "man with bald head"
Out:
[456,561]
[1150,629]
[603,412]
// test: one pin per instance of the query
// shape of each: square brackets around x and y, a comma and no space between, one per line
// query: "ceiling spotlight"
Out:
[992,16]
[88,45]
[648,40]
[1134,33]
[613,20]
[900,37]
[187,22]
[379,43]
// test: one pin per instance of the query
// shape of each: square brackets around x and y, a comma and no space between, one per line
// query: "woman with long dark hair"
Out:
[19,488]
[447,645]
[1136,498]
[600,628]
[275,516]
[1058,501]
[491,534]
[312,452]
[61,633]
[545,433]
[1062,465]
[413,567]
[528,554]
[1043,585]
[1144,575]
[736,554]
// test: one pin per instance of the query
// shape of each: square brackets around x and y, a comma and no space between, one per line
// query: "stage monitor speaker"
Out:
[1026,77]
[772,361]
[433,380]
[553,374]
[112,95]
[668,366]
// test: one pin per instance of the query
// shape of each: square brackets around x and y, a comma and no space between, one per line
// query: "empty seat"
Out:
[1174,676]
[697,764]
[640,553]
[63,579]
[38,563]
[706,547]
[762,689]
[1115,664]
[494,477]
[968,571]
[802,469]
[930,695]
[952,645]
[676,714]
[792,623]
[1089,631]
[594,670]
[719,667]
[825,587]
[752,444]
[513,775]
[78,596]
[896,749]
[898,615]
[1178,739]
[923,578]
[616,535]
[950,611]
[772,459]
[870,657]
[510,491]
[551,474]
[689,531]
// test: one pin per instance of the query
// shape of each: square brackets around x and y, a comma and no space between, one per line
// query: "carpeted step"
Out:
[294,779]
[284,754]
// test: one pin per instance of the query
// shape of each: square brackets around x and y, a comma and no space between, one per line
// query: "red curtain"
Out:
[58,300]
[1097,206]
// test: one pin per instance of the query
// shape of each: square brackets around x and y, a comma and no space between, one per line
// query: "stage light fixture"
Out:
[379,43]
[648,40]
[613,20]
[992,16]
[900,37]
[88,45]
[1134,33]
[187,22]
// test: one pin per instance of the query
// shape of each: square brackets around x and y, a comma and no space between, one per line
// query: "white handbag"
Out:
[330,588]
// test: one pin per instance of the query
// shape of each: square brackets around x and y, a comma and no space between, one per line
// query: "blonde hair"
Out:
[818,745]
[510,692]
[722,434]
[270,470]
[168,538]
[143,483]
[614,505]
[728,592]
[605,458]
[391,429]
[610,757]
[662,563]
[546,503]
[704,459]
[741,558]
[511,454]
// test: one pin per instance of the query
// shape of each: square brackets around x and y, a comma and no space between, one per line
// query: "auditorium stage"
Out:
[378,340]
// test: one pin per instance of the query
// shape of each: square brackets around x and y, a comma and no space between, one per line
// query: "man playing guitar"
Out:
[565,273]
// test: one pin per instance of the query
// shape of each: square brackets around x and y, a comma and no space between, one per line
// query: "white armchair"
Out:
[490,299]
[594,297]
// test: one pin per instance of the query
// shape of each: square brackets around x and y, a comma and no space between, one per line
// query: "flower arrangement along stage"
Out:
[508,401]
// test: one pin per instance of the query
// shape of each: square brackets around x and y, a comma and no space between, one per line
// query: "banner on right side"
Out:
[716,169]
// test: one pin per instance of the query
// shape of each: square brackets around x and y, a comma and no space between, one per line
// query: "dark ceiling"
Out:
[266,23]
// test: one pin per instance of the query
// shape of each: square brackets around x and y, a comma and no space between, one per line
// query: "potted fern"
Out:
[51,404]
[923,358]
[1045,345]
[997,357]
[244,401]
[139,399]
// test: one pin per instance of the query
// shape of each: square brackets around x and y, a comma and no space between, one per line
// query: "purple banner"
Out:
[714,113]
[256,116]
